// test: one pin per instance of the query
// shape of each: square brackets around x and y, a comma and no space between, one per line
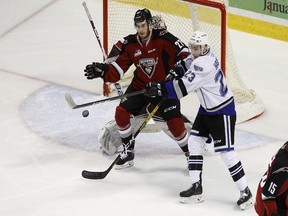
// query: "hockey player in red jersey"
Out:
[272,192]
[215,121]
[153,52]
[109,137]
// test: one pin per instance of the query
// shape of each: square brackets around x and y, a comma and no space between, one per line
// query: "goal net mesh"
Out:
[181,19]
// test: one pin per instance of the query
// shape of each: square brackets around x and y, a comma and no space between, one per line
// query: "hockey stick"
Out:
[73,105]
[117,85]
[94,28]
[103,174]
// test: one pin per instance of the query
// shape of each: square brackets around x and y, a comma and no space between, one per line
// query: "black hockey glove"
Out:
[178,70]
[96,70]
[155,89]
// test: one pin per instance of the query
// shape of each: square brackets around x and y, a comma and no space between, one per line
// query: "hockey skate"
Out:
[126,159]
[192,194]
[245,201]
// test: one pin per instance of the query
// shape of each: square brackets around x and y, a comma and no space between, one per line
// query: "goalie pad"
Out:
[109,136]
[110,139]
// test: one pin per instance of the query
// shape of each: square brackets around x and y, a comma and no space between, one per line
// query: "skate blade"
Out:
[125,165]
[247,204]
[192,199]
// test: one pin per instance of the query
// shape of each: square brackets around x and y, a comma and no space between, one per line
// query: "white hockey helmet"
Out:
[199,38]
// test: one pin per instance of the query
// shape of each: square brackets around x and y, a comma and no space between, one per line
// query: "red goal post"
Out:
[222,8]
[212,4]
[182,18]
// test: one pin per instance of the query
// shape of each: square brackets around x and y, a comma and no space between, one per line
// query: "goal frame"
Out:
[217,5]
[248,104]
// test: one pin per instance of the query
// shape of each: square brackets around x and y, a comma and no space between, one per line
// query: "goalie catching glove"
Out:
[96,70]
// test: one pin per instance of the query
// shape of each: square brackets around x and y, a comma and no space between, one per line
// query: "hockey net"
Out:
[182,18]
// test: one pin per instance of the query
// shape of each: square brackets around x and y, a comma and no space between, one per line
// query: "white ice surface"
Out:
[45,145]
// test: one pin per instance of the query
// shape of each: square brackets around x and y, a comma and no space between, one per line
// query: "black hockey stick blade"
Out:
[99,175]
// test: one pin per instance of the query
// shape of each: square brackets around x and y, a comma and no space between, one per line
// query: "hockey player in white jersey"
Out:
[215,120]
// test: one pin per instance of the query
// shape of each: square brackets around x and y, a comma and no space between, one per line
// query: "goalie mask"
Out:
[199,38]
[158,22]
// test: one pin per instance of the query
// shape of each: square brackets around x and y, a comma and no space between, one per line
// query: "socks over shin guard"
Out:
[178,130]
[237,171]
[238,175]
[235,168]
[195,166]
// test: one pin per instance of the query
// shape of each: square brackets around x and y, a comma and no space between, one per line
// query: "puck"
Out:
[85,113]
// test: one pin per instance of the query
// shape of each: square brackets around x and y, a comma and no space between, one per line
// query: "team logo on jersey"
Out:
[198,68]
[148,66]
[137,53]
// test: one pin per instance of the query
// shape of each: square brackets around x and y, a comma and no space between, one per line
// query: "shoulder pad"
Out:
[203,63]
[129,39]
[158,33]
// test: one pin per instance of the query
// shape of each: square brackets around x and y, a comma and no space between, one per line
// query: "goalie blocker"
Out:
[110,139]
